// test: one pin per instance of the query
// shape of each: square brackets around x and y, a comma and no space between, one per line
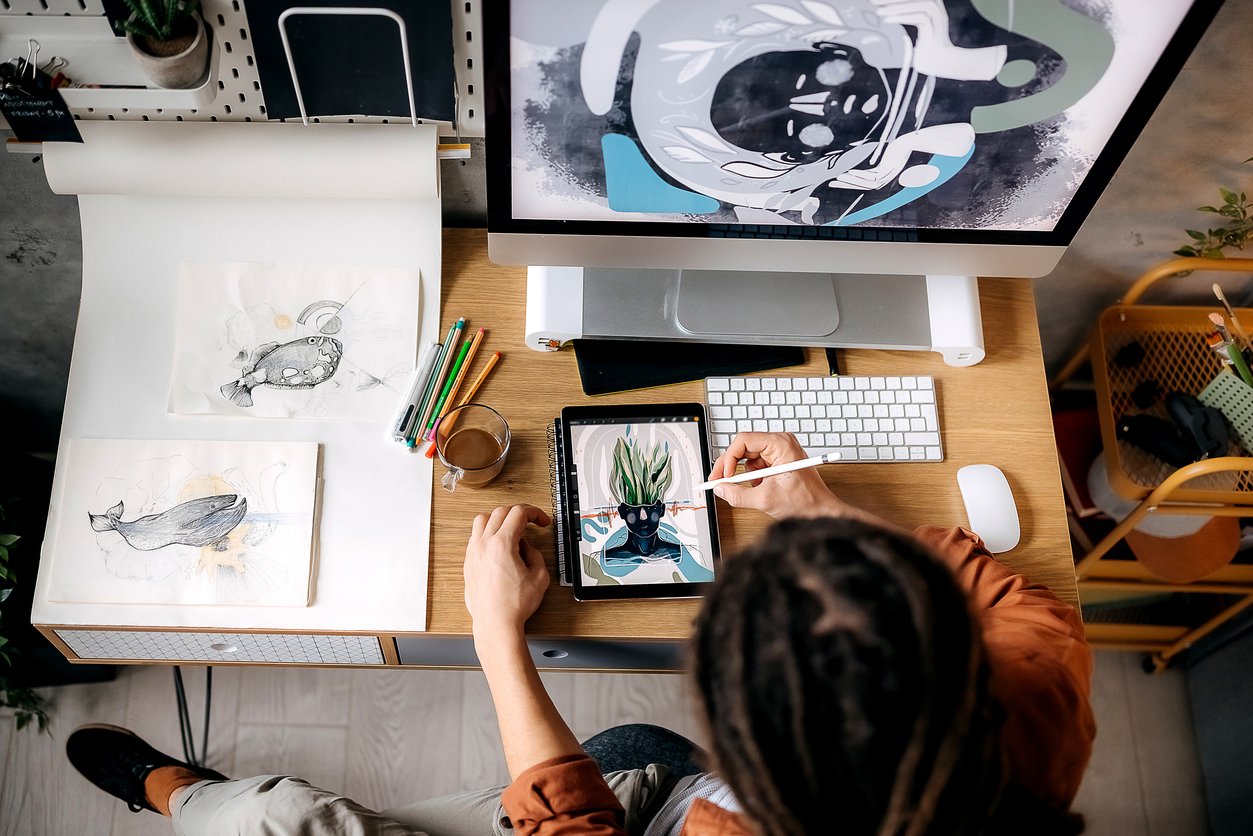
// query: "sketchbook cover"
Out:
[186,523]
[332,342]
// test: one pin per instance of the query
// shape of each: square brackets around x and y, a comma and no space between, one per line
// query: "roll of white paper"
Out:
[250,159]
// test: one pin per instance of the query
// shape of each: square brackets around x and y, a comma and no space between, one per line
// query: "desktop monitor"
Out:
[821,171]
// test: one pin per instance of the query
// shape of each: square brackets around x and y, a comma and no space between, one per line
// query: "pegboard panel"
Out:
[239,97]
[273,648]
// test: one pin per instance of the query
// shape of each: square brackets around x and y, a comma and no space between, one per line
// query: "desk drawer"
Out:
[549,654]
[178,646]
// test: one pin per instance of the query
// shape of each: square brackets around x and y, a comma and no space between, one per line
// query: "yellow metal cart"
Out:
[1175,356]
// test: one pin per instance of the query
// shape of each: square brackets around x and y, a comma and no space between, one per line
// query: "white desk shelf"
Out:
[96,56]
[233,91]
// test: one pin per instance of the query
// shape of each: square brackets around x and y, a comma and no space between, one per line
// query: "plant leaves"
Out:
[8,539]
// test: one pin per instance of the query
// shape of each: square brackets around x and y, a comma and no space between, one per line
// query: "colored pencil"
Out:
[456,385]
[469,395]
[450,348]
[453,371]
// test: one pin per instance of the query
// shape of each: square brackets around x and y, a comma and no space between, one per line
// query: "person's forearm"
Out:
[531,729]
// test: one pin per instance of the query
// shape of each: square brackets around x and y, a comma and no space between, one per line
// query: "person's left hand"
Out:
[505,576]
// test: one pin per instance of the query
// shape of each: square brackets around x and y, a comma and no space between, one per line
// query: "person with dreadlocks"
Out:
[853,678]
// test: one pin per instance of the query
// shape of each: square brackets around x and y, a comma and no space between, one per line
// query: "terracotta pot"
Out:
[182,71]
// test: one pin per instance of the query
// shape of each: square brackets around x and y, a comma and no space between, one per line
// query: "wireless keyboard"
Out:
[864,419]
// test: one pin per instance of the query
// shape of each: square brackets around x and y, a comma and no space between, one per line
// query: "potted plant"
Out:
[26,704]
[639,480]
[1235,231]
[169,40]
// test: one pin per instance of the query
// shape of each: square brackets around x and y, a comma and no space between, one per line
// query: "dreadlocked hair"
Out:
[843,683]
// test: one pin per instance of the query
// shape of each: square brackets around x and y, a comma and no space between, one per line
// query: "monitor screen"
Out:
[934,121]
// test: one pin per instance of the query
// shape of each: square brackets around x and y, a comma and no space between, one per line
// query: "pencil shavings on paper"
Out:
[290,341]
[186,523]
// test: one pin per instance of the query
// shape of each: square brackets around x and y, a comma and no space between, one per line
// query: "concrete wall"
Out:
[1194,143]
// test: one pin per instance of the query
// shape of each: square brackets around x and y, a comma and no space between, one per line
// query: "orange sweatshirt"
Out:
[1041,674]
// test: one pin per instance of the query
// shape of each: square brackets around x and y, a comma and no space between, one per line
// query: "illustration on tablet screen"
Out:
[641,521]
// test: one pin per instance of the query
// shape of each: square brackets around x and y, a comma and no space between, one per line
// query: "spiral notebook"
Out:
[556,467]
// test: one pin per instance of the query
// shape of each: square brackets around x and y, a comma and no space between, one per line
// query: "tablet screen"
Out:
[640,521]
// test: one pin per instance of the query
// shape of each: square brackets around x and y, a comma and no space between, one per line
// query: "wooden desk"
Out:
[995,412]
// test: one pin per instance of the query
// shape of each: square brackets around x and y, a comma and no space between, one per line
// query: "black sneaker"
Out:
[117,761]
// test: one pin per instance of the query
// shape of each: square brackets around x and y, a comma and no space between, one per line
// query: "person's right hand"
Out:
[800,493]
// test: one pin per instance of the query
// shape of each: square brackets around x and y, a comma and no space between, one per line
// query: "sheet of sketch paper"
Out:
[919,114]
[640,521]
[186,522]
[289,341]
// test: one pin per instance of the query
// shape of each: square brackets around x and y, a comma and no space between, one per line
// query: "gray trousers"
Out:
[277,805]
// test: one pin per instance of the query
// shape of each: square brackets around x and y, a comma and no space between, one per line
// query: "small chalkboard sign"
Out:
[38,115]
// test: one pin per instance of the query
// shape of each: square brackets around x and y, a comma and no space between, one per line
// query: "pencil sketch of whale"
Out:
[197,522]
[299,364]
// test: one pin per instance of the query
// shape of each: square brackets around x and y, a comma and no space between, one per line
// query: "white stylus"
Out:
[748,475]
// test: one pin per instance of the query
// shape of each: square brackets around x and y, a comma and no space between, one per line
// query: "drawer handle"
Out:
[555,654]
[223,647]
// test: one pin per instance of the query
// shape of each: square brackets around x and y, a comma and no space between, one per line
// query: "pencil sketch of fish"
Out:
[299,364]
[196,522]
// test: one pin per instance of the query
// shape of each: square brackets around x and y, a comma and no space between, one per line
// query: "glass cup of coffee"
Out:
[472,442]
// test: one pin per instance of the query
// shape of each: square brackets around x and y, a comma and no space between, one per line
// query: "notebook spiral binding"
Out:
[556,469]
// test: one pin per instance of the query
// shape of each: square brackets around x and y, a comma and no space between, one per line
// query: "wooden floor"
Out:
[391,737]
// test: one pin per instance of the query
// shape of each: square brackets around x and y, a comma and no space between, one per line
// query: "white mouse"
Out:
[990,506]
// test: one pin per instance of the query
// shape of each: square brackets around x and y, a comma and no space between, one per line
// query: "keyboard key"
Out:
[802,439]
[755,411]
[839,425]
[880,411]
[787,411]
[719,412]
[862,383]
[785,384]
[854,425]
[867,454]
[909,383]
[815,383]
[739,412]
[730,398]
[832,439]
[761,397]
[743,426]
[929,415]
[839,397]
[870,425]
[848,440]
[864,440]
[824,397]
[896,439]
[830,383]
[752,384]
[717,384]
[877,383]
[917,425]
[922,396]
[792,426]
[922,439]
[737,384]
[846,383]
[872,397]
[807,426]
[775,426]
[934,454]
[771,411]
[799,384]
[721,441]
[901,424]
[767,384]
[894,382]
[802,411]
[912,410]
[809,397]
[865,411]
[886,454]
[896,411]
[760,426]
[778,397]
[714,398]
[925,383]
[856,397]
[724,426]
[901,453]
[881,440]
[793,397]
[823,425]
[917,453]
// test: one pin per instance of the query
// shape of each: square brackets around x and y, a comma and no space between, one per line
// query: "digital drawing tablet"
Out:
[634,525]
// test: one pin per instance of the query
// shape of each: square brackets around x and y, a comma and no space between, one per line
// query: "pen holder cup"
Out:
[472,441]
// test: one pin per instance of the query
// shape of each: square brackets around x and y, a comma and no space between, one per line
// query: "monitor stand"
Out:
[912,313]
